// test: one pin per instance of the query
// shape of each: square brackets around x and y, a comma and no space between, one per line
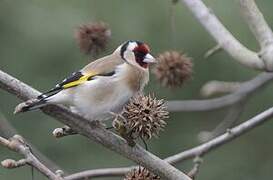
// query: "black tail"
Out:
[30,105]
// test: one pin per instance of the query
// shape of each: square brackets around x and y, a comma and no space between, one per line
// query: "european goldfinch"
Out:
[104,85]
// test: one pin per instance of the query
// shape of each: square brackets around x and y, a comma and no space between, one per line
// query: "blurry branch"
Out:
[223,37]
[212,51]
[260,29]
[230,119]
[245,90]
[196,167]
[197,151]
[7,130]
[218,87]
[223,139]
[94,131]
[17,144]
[256,22]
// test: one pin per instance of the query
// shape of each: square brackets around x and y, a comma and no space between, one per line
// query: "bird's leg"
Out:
[145,144]
[122,130]
[63,131]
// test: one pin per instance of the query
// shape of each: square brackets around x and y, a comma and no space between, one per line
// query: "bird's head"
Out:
[136,53]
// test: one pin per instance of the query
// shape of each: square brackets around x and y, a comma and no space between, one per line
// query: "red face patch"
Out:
[142,48]
[140,52]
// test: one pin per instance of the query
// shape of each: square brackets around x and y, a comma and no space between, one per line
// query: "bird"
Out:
[103,86]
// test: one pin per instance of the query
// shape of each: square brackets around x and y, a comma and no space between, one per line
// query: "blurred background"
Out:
[37,46]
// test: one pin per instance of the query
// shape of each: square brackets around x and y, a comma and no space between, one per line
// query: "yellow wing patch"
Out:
[79,81]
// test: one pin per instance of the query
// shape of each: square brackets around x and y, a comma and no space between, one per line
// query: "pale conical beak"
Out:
[149,59]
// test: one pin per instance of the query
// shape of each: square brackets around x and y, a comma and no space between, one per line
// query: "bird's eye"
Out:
[139,55]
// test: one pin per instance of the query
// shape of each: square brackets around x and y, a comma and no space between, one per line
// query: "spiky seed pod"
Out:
[93,37]
[143,117]
[141,174]
[173,68]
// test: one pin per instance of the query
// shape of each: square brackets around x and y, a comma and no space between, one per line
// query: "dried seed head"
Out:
[173,68]
[143,117]
[93,38]
[141,174]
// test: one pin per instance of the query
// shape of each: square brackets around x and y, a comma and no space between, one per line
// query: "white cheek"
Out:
[130,57]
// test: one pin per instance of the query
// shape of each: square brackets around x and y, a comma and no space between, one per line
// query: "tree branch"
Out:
[256,22]
[17,144]
[212,51]
[218,87]
[200,150]
[7,130]
[226,137]
[223,37]
[107,172]
[260,29]
[94,131]
[246,89]
[232,116]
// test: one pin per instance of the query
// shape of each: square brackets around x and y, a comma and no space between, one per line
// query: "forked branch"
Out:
[17,144]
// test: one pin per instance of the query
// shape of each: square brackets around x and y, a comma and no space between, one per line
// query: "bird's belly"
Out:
[101,100]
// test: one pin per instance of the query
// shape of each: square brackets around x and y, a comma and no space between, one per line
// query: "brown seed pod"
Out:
[141,174]
[143,117]
[93,37]
[173,69]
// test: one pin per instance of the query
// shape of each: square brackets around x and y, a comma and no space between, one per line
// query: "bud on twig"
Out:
[10,163]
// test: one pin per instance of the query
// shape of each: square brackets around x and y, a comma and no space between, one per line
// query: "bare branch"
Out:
[218,87]
[256,22]
[260,29]
[187,154]
[246,89]
[17,144]
[223,139]
[107,172]
[196,167]
[223,37]
[232,116]
[94,131]
[212,51]
[7,130]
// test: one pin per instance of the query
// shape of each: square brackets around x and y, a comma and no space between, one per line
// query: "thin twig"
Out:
[246,89]
[212,88]
[232,116]
[212,51]
[7,130]
[196,167]
[223,139]
[17,144]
